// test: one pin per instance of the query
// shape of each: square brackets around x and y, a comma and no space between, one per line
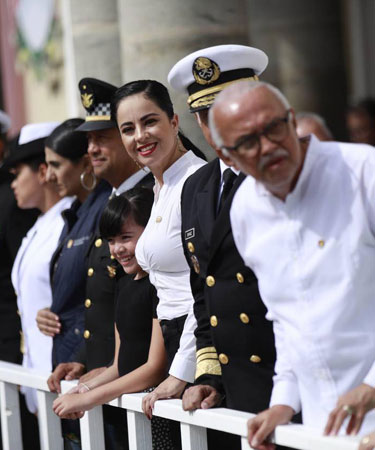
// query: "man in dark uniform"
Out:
[235,342]
[112,163]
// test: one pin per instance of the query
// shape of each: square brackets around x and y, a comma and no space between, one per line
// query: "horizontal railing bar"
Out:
[16,374]
[231,421]
[235,422]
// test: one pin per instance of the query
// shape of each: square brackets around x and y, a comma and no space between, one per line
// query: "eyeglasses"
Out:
[276,131]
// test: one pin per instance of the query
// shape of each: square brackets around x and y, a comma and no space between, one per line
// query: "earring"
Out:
[83,182]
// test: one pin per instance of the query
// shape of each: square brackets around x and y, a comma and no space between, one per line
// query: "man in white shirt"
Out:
[304,221]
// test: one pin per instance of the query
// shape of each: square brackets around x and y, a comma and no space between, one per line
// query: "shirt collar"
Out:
[223,167]
[173,173]
[130,182]
[56,210]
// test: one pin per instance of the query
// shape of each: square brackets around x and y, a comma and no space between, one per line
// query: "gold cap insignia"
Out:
[111,271]
[205,70]
[87,100]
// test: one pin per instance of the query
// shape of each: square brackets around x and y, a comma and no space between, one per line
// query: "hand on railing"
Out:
[48,322]
[64,371]
[92,374]
[265,423]
[368,442]
[172,387]
[355,403]
[69,405]
[80,388]
[200,396]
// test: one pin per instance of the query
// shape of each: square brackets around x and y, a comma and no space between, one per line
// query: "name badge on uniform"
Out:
[189,234]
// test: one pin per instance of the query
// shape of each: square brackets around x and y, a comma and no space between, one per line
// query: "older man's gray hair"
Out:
[234,91]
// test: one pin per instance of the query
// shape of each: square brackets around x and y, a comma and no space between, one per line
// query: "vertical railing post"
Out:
[245,444]
[10,417]
[49,423]
[193,437]
[92,430]
[139,431]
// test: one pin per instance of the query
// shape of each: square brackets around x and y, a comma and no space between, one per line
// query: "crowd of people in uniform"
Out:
[245,282]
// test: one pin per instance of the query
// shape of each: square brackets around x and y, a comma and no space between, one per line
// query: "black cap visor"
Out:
[24,153]
[95,125]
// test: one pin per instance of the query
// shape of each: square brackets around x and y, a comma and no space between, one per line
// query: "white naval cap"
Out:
[34,131]
[204,73]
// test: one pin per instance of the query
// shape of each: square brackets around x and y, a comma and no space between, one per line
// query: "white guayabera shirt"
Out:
[31,282]
[159,252]
[314,256]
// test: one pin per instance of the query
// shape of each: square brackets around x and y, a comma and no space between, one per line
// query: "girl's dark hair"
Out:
[67,142]
[157,93]
[136,203]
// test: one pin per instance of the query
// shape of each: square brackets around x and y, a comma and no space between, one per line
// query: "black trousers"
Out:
[216,440]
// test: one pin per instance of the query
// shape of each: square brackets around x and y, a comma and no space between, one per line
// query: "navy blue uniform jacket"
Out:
[69,270]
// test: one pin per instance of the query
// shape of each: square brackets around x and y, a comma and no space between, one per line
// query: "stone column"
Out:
[91,44]
[156,34]
[305,45]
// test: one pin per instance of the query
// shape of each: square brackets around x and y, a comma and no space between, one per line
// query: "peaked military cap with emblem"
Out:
[204,73]
[96,98]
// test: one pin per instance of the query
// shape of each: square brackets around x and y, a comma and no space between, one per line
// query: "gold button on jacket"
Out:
[210,281]
[90,272]
[87,303]
[223,358]
[213,321]
[244,318]
[255,359]
[98,243]
[191,247]
[158,219]
[70,243]
[321,243]
[240,277]
[86,334]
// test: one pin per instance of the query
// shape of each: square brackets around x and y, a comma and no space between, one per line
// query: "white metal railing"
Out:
[193,425]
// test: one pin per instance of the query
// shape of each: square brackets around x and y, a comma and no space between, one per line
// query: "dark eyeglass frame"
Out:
[255,149]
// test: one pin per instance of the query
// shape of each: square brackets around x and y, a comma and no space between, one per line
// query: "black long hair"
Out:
[67,142]
[157,93]
[135,203]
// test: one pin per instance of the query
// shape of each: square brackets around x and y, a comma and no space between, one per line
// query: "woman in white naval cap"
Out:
[30,273]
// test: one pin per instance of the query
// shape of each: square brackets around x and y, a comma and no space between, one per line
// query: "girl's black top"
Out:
[136,303]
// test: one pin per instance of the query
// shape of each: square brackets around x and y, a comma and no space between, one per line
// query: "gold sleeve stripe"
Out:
[208,366]
[205,350]
[207,356]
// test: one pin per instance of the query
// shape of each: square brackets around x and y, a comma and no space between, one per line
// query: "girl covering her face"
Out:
[140,360]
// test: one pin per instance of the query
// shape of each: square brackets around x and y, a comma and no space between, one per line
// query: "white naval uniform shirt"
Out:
[314,257]
[31,282]
[159,252]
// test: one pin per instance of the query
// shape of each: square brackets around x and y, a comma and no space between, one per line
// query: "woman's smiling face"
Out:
[147,133]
